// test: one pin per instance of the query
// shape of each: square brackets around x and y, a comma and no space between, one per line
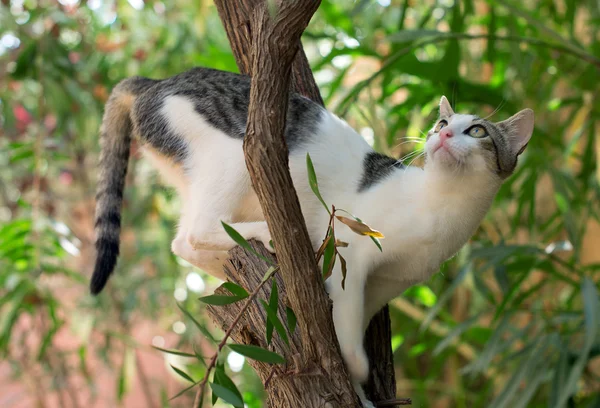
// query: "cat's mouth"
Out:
[443,148]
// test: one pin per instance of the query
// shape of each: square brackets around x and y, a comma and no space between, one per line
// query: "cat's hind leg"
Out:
[216,198]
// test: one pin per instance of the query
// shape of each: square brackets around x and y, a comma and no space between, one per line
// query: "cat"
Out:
[192,125]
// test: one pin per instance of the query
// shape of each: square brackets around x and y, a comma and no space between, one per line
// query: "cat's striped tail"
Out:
[115,141]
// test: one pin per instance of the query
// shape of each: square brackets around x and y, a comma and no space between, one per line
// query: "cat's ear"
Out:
[445,108]
[519,129]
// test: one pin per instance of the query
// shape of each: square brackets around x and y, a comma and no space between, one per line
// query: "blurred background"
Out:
[512,321]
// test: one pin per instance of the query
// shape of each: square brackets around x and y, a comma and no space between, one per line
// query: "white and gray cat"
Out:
[192,125]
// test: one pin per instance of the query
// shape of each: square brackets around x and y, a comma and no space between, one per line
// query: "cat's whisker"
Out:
[403,140]
[496,110]
[396,163]
[415,158]
[409,137]
[408,141]
[413,152]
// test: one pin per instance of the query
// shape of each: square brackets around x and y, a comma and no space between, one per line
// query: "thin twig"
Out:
[394,402]
[200,393]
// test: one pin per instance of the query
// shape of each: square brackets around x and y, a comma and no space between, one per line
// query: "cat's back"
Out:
[220,99]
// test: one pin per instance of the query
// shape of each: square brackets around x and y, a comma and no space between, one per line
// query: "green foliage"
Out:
[514,317]
[238,292]
[241,241]
[257,353]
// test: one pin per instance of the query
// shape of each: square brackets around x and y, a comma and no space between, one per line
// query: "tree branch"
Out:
[274,46]
[236,18]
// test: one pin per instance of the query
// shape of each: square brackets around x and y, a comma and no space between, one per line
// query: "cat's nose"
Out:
[446,133]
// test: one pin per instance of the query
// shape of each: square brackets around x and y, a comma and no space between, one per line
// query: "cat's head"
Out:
[460,142]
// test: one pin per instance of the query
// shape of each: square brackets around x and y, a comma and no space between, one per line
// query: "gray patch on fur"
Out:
[376,167]
[222,99]
[498,145]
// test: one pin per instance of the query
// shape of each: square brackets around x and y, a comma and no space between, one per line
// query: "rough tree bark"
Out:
[269,48]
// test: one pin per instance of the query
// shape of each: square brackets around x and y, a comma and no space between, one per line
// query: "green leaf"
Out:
[270,272]
[423,294]
[405,36]
[257,353]
[26,61]
[274,319]
[433,312]
[125,373]
[220,300]
[312,180]
[198,356]
[591,309]
[183,391]
[227,395]
[182,373]
[121,382]
[377,243]
[200,327]
[241,241]
[175,352]
[454,334]
[291,319]
[235,289]
[223,380]
[329,256]
[273,301]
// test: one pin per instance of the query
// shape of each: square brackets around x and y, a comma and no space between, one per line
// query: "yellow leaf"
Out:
[360,227]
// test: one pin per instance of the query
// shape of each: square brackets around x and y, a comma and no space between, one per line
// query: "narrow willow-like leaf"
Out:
[291,319]
[270,272]
[222,379]
[273,300]
[199,356]
[175,352]
[121,382]
[183,391]
[274,319]
[591,304]
[360,227]
[227,395]
[344,270]
[453,335]
[374,239]
[235,289]
[321,249]
[182,373]
[200,327]
[445,297]
[257,353]
[377,243]
[329,257]
[220,300]
[241,241]
[312,180]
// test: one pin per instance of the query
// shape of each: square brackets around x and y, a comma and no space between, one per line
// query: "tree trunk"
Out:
[268,48]
[303,382]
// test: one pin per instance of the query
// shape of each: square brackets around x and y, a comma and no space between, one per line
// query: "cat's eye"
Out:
[441,124]
[477,131]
